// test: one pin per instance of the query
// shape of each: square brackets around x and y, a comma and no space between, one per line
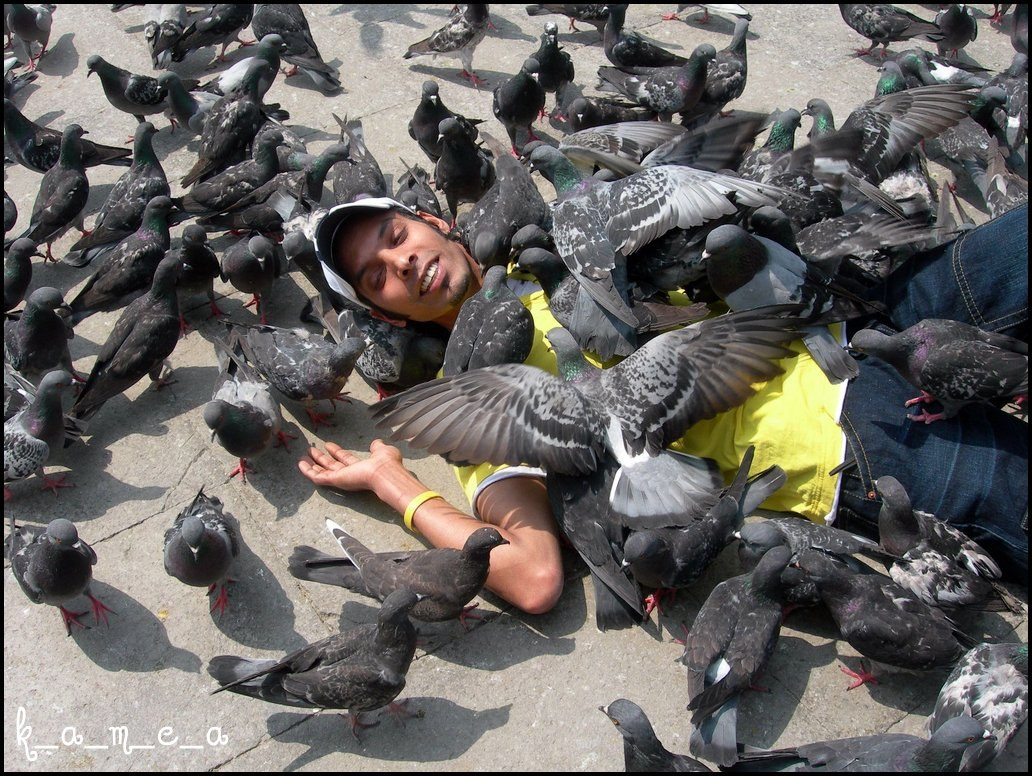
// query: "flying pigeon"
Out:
[726,650]
[627,49]
[952,363]
[299,47]
[568,424]
[36,342]
[63,192]
[243,414]
[989,683]
[510,203]
[18,271]
[935,561]
[493,327]
[30,26]
[359,669]
[35,432]
[589,13]
[142,338]
[303,366]
[518,101]
[457,38]
[127,270]
[123,210]
[943,752]
[642,748]
[883,24]
[39,148]
[220,25]
[425,125]
[54,566]
[958,26]
[464,172]
[446,579]
[882,620]
[747,271]
[252,265]
[666,90]
[200,547]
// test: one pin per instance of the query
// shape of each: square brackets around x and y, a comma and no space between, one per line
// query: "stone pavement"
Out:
[515,692]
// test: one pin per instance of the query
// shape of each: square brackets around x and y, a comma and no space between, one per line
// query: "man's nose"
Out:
[404,262]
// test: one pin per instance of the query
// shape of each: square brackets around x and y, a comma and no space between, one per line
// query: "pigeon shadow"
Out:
[148,648]
[62,58]
[443,731]
[491,78]
[260,614]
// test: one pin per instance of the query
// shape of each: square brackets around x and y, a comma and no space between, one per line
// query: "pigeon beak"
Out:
[213,435]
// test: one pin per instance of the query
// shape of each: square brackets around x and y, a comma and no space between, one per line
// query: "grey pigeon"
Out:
[200,547]
[627,49]
[883,24]
[958,26]
[126,271]
[267,49]
[63,192]
[1003,189]
[360,669]
[463,172]
[748,271]
[200,268]
[362,177]
[18,271]
[141,340]
[952,363]
[162,31]
[726,77]
[594,14]
[220,25]
[189,108]
[882,620]
[299,47]
[493,327]
[943,752]
[243,414]
[14,83]
[36,431]
[726,650]
[643,751]
[36,342]
[665,90]
[303,366]
[446,579]
[122,211]
[555,68]
[224,190]
[671,557]
[54,566]
[1019,28]
[632,410]
[38,148]
[230,127]
[252,265]
[10,213]
[457,38]
[136,94]
[586,112]
[597,225]
[30,26]
[415,190]
[424,126]
[989,683]
[517,102]
[510,203]
[1014,81]
[936,561]
[724,9]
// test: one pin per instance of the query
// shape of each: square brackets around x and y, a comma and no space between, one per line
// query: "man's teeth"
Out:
[428,278]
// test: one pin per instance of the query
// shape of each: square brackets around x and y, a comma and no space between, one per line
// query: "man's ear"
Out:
[433,220]
[381,316]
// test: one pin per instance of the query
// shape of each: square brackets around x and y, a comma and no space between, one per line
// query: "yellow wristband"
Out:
[415,504]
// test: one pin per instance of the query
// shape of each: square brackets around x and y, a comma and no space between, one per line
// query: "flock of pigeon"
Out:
[652,160]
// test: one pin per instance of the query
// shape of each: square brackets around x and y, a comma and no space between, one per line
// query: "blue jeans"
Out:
[972,470]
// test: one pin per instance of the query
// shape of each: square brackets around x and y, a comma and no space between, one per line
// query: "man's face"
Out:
[405,266]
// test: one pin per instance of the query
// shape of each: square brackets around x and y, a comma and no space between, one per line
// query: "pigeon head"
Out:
[61,531]
[483,540]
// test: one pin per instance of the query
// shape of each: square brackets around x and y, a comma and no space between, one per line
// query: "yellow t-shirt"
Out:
[792,421]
